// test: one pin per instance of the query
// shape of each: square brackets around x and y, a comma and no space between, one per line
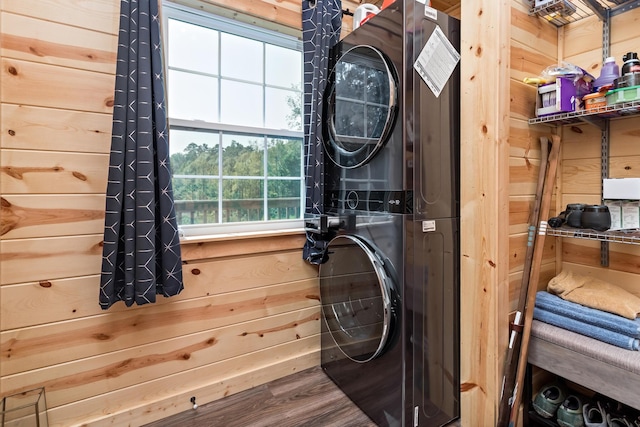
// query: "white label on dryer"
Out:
[436,61]
[430,12]
[428,226]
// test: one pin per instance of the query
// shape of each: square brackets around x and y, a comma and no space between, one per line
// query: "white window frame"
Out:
[179,12]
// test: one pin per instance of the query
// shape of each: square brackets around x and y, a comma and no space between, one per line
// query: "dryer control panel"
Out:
[400,202]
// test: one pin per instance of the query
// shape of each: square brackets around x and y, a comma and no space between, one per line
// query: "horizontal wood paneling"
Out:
[45,259]
[48,129]
[97,15]
[547,272]
[583,40]
[582,36]
[523,175]
[168,395]
[524,140]
[37,172]
[238,273]
[533,46]
[623,258]
[57,44]
[528,63]
[27,216]
[283,12]
[581,142]
[44,85]
[54,343]
[519,213]
[48,299]
[534,34]
[518,248]
[68,382]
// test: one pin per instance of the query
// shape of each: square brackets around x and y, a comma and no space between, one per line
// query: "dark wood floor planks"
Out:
[307,398]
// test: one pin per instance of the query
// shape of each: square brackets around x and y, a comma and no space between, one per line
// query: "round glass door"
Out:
[355,292]
[361,105]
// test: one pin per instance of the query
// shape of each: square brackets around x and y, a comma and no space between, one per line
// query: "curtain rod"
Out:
[347,12]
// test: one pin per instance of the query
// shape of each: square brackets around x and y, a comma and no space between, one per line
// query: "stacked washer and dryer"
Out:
[390,285]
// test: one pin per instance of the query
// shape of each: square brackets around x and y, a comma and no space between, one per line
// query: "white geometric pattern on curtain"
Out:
[321,25]
[141,252]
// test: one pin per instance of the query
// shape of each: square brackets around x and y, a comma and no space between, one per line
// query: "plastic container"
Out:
[625,94]
[594,100]
[631,63]
[609,72]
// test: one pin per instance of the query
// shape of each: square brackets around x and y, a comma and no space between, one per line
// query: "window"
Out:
[235,115]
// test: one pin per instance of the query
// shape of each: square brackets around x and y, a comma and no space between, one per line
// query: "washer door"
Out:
[357,297]
[360,106]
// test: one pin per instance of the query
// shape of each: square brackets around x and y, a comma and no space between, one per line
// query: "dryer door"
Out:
[360,106]
[358,298]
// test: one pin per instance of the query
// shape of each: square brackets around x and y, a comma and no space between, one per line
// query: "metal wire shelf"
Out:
[562,12]
[629,236]
[593,115]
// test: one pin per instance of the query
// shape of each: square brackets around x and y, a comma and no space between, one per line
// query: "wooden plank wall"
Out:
[484,195]
[249,312]
[582,43]
[534,46]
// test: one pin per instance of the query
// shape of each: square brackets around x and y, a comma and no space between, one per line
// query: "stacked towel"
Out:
[603,326]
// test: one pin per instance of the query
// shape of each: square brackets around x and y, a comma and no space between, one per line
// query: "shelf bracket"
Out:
[606,35]
[604,174]
[625,7]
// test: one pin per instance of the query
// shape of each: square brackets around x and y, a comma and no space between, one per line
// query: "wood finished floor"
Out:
[308,398]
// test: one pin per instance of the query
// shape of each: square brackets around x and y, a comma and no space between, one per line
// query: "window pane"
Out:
[283,67]
[284,157]
[241,58]
[193,47]
[283,109]
[243,200]
[196,200]
[241,104]
[230,91]
[242,155]
[284,199]
[194,153]
[192,96]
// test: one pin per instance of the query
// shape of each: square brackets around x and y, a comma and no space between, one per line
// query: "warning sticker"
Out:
[436,61]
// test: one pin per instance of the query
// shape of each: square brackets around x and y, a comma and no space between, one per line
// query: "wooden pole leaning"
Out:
[510,364]
[547,194]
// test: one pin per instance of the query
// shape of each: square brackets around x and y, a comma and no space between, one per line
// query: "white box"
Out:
[615,209]
[630,215]
[621,189]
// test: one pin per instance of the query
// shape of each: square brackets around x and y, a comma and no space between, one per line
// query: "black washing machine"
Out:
[360,292]
[390,284]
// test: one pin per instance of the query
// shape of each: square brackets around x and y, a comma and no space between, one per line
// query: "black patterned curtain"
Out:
[141,253]
[321,25]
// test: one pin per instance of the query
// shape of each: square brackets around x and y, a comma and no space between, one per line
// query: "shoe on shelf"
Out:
[570,412]
[594,415]
[618,421]
[548,400]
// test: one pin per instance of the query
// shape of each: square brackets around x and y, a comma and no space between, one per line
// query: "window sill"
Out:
[240,236]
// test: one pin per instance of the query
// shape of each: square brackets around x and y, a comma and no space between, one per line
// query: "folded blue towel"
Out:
[592,316]
[586,329]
